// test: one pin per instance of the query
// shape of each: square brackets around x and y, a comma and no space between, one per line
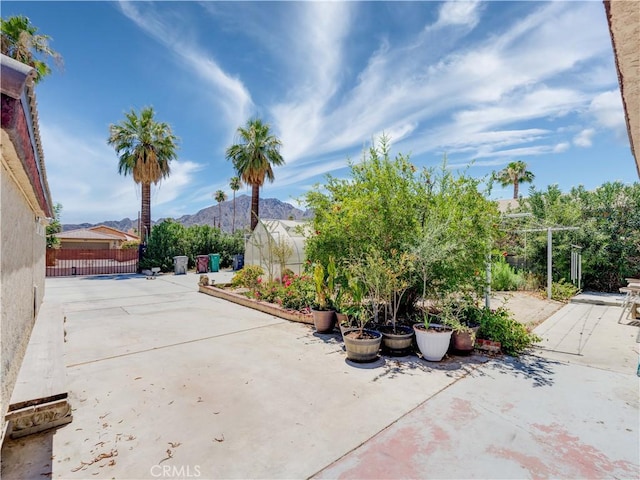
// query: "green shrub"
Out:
[608,221]
[389,207]
[167,240]
[563,291]
[130,244]
[504,277]
[298,292]
[248,277]
[170,238]
[499,326]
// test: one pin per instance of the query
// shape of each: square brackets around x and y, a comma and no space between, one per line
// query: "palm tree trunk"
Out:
[516,184]
[220,215]
[233,220]
[146,212]
[255,202]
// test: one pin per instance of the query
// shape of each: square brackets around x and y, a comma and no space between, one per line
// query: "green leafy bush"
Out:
[167,240]
[389,207]
[298,293]
[499,326]
[608,222]
[504,277]
[131,244]
[170,238]
[563,291]
[248,277]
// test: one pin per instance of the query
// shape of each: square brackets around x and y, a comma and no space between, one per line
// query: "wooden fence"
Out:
[66,262]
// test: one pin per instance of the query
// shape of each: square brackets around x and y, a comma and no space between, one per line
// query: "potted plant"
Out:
[324,317]
[341,304]
[465,327]
[432,338]
[397,339]
[362,345]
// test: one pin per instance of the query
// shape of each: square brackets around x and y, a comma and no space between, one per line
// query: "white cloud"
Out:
[511,77]
[233,97]
[315,60]
[584,138]
[501,96]
[455,12]
[608,111]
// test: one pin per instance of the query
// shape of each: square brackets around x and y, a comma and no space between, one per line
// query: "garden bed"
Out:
[270,308]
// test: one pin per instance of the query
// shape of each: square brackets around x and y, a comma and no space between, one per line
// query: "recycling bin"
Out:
[180,263]
[202,263]
[238,261]
[214,262]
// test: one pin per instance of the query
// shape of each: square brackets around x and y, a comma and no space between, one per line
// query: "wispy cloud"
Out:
[512,77]
[320,30]
[480,81]
[233,98]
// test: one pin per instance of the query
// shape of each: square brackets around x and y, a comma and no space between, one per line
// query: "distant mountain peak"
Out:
[271,208]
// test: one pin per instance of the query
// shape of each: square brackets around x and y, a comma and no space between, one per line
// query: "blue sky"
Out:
[483,82]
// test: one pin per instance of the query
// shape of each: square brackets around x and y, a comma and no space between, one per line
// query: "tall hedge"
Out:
[387,207]
[608,230]
[170,238]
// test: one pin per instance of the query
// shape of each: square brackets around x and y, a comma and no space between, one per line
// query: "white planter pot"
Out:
[432,344]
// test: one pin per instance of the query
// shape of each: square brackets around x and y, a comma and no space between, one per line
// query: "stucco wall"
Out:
[22,270]
[624,24]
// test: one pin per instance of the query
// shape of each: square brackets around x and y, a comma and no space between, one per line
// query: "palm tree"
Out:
[20,40]
[253,157]
[145,148]
[514,173]
[220,197]
[235,184]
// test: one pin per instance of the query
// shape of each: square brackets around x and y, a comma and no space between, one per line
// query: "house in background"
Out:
[99,237]
[25,207]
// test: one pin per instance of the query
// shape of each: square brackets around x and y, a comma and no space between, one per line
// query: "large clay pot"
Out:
[434,342]
[362,349]
[398,343]
[343,322]
[323,320]
[464,341]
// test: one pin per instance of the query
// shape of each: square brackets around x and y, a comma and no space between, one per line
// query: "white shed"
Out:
[277,244]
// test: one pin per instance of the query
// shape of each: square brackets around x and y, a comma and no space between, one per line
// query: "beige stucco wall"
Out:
[22,272]
[624,23]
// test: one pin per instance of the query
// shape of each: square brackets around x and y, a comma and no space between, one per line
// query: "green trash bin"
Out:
[214,262]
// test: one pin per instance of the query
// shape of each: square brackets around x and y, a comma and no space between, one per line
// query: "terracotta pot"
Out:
[323,320]
[464,341]
[433,343]
[398,343]
[362,349]
[341,318]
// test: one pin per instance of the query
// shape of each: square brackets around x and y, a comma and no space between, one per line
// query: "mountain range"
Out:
[270,208]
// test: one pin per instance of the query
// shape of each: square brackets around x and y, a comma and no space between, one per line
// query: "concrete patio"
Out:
[169,383]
